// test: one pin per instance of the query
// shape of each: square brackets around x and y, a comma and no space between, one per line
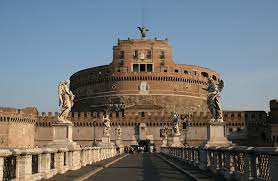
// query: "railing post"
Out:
[1,168]
[273,165]
[249,159]
[202,158]
[24,167]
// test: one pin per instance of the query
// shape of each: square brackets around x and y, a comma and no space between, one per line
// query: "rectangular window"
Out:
[142,67]
[135,68]
[121,55]
[162,55]
[149,67]
[121,62]
[149,54]
[135,54]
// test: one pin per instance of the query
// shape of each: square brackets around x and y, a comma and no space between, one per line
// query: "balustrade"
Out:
[238,162]
[43,163]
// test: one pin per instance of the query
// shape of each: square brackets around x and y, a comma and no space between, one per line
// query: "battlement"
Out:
[26,115]
[132,116]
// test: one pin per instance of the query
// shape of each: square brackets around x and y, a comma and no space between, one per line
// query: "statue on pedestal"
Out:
[213,100]
[175,123]
[65,100]
[107,127]
[118,133]
[164,132]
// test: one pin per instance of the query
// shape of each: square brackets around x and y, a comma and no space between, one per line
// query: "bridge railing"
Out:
[239,162]
[43,163]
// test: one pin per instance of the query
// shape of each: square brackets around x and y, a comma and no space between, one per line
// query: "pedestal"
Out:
[216,135]
[164,142]
[105,141]
[62,136]
[176,141]
[119,142]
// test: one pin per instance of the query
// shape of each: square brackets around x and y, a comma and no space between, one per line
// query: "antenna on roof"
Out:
[143,30]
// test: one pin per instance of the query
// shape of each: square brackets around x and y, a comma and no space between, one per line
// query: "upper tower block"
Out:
[142,55]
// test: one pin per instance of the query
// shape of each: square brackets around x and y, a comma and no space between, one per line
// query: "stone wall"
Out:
[242,127]
[17,127]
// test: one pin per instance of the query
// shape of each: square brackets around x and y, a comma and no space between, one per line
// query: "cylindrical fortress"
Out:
[144,77]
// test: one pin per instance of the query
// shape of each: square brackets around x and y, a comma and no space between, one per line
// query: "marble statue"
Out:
[118,132]
[143,31]
[175,123]
[107,127]
[65,100]
[213,100]
[164,131]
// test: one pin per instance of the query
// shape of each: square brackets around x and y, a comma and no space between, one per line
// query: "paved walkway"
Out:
[76,174]
[140,167]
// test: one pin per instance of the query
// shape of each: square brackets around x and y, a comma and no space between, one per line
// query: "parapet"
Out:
[26,115]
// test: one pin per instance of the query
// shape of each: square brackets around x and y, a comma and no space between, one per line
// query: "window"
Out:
[204,74]
[214,77]
[135,54]
[165,70]
[142,67]
[186,72]
[162,62]
[162,55]
[121,55]
[121,62]
[142,114]
[149,67]
[176,70]
[149,54]
[135,68]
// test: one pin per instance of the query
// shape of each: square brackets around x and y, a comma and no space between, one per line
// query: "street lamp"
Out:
[94,124]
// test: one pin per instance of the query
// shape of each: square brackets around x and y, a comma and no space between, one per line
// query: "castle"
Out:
[145,79]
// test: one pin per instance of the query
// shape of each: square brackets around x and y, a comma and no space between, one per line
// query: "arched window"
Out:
[204,74]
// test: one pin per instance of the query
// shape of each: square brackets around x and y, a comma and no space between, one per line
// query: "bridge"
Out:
[172,163]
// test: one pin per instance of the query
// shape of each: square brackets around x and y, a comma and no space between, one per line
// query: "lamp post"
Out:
[94,124]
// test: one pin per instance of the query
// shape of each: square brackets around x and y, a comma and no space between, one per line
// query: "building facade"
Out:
[145,79]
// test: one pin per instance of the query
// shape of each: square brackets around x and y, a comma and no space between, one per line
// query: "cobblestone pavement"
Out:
[140,167]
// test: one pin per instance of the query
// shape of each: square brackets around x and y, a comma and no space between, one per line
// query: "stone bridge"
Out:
[172,163]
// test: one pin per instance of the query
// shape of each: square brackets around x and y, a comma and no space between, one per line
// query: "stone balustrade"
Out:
[43,163]
[240,163]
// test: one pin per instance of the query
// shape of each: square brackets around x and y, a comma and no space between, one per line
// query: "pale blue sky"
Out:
[45,41]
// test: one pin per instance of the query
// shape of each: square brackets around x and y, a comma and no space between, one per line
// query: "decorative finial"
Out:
[143,32]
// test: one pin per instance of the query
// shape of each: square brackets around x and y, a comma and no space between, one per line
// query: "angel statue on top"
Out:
[65,100]
[213,99]
[175,123]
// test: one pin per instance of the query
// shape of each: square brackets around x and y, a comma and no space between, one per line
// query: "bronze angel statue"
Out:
[65,100]
[213,100]
[143,31]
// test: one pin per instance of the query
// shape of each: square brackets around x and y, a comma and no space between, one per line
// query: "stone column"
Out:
[24,167]
[76,159]
[1,168]
[273,165]
[61,167]
[45,165]
[3,153]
